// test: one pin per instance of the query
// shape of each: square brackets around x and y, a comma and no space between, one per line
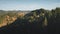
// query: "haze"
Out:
[28,4]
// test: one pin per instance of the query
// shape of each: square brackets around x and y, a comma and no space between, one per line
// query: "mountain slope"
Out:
[36,22]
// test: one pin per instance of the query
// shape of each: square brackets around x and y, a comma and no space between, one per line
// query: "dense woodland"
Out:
[39,21]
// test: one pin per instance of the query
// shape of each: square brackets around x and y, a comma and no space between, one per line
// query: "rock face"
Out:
[8,19]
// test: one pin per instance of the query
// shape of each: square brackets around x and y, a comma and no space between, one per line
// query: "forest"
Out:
[39,21]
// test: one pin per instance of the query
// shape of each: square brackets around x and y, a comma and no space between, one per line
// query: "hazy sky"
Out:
[28,4]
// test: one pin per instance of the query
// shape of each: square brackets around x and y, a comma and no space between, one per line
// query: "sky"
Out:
[28,4]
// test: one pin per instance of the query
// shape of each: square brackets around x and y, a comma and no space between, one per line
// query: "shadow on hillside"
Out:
[31,28]
[24,28]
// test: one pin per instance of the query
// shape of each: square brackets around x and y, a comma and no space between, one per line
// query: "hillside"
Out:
[38,21]
[10,16]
